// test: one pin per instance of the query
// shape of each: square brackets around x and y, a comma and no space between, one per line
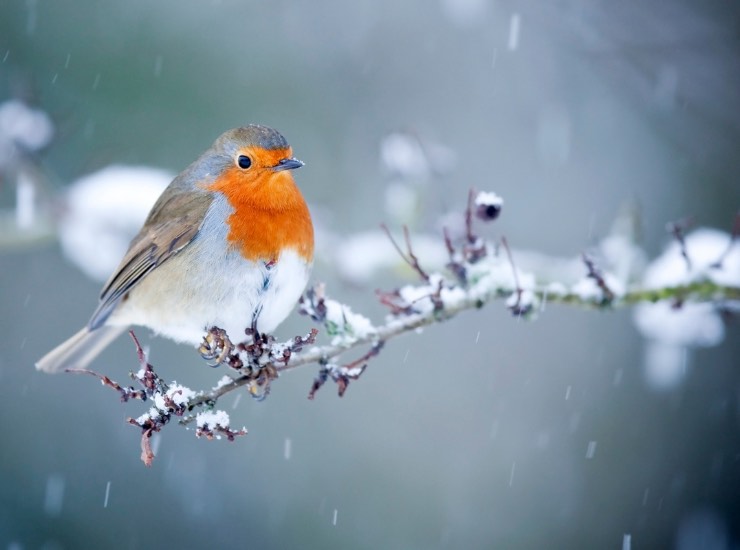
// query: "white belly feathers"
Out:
[209,280]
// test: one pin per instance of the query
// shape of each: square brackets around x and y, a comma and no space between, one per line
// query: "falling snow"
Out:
[511,474]
[514,27]
[591,449]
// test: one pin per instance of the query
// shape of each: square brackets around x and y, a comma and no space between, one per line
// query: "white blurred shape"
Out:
[29,128]
[156,441]
[22,128]
[104,212]
[511,473]
[704,248]
[237,399]
[404,155]
[25,201]
[591,450]
[671,330]
[627,542]
[696,325]
[665,365]
[515,24]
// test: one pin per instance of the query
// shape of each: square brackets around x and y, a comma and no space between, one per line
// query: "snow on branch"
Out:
[700,269]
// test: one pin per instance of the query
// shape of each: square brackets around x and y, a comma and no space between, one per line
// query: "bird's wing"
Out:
[172,224]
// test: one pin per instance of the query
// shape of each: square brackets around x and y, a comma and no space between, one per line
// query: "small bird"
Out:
[229,243]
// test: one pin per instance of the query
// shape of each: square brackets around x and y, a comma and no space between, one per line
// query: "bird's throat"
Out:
[270,216]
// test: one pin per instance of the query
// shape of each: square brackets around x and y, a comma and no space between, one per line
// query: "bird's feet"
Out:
[216,347]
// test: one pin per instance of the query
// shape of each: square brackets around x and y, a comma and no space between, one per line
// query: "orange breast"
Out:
[270,214]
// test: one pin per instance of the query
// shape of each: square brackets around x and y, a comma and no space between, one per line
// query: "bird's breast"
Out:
[211,283]
[265,219]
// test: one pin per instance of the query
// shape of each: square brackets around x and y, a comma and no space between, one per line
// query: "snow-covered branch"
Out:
[699,274]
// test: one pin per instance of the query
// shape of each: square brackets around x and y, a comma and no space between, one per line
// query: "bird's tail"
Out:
[80,350]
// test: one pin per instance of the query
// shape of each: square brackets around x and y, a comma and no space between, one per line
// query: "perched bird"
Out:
[229,243]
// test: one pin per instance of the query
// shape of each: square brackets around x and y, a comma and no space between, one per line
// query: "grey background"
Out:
[460,437]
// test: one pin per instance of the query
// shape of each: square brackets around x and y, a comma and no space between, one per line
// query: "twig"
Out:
[409,257]
[516,307]
[470,237]
[342,375]
[474,248]
[505,244]
[733,240]
[415,261]
[147,455]
[455,265]
[678,230]
[214,432]
[595,274]
[126,393]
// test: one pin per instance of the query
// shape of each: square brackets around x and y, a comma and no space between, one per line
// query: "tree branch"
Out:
[480,274]
[699,291]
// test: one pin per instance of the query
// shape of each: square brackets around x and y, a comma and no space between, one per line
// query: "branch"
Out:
[480,274]
[699,291]
[678,230]
[409,257]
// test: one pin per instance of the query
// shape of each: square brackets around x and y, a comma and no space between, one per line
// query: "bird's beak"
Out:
[288,164]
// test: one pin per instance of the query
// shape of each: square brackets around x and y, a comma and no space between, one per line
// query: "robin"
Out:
[229,243]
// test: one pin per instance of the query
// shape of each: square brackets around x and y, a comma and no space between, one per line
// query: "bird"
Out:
[229,243]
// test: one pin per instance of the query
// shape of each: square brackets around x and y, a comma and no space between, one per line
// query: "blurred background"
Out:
[485,432]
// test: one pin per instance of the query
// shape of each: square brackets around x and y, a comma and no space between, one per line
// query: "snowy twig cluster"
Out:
[167,401]
[477,272]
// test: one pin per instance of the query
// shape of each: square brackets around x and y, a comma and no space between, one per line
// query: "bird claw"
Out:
[216,347]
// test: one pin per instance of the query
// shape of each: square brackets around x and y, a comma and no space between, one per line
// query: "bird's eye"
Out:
[244,162]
